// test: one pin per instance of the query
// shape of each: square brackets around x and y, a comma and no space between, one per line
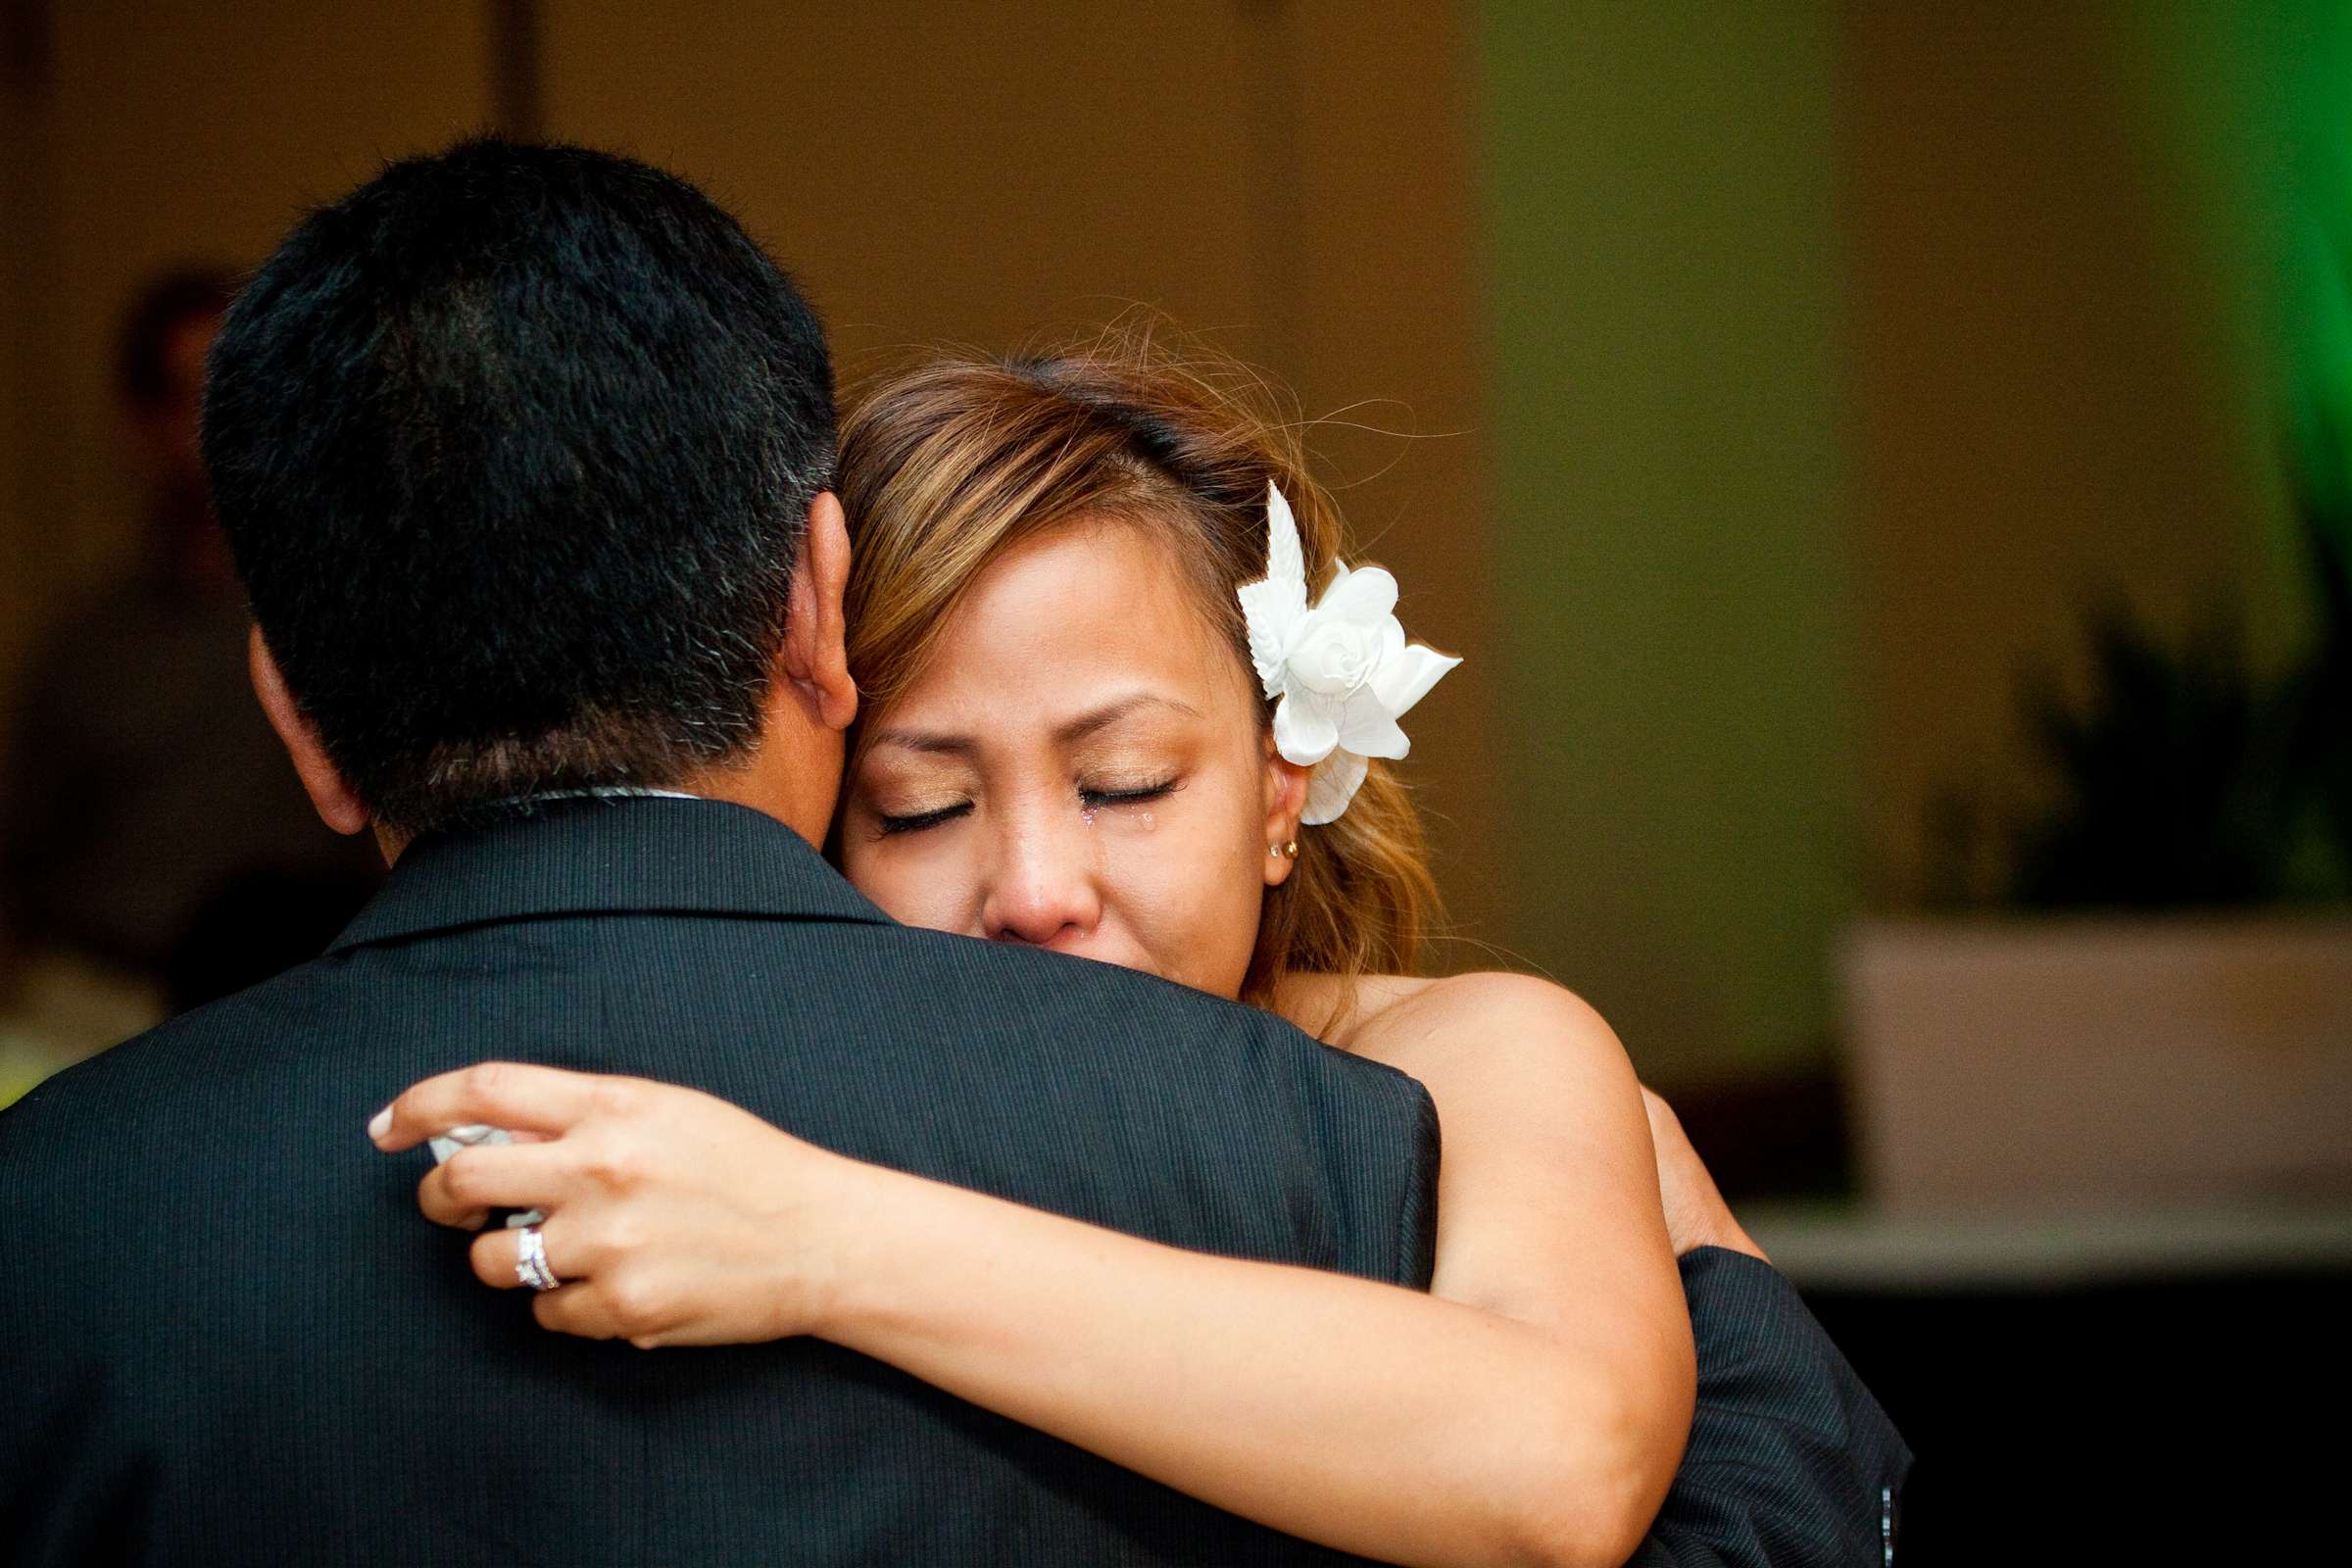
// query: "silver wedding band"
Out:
[530,1262]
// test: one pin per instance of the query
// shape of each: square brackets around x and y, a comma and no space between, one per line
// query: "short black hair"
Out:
[144,375]
[513,446]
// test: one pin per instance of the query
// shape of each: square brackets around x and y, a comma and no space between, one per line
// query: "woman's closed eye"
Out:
[916,821]
[1093,799]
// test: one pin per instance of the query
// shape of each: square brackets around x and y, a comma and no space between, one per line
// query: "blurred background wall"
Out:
[1674,523]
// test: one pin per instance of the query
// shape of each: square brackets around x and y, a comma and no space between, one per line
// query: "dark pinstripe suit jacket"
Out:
[226,1335]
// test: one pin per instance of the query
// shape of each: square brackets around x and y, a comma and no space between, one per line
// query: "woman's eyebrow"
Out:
[1110,712]
[940,743]
[930,742]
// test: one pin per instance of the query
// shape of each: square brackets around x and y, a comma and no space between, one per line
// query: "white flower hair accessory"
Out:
[1340,668]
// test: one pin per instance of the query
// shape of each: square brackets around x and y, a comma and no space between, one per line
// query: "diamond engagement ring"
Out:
[530,1262]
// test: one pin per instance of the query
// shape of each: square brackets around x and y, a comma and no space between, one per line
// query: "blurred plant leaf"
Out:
[2321,690]
[2174,789]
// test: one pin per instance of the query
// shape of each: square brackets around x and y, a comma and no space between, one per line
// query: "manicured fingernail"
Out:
[380,1125]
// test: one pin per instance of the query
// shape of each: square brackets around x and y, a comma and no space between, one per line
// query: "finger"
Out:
[575,1309]
[1659,1111]
[516,1095]
[462,1189]
[496,1257]
[493,1255]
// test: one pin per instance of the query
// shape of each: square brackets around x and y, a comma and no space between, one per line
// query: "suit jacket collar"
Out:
[632,854]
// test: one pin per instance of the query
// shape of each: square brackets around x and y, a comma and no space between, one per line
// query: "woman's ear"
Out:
[1285,799]
[338,805]
[816,655]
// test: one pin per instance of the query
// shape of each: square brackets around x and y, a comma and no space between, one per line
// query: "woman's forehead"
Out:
[1070,614]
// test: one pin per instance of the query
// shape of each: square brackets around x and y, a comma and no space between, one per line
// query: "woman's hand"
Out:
[672,1217]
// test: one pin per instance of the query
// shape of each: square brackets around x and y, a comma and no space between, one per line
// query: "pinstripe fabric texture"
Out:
[228,1336]
[1791,1460]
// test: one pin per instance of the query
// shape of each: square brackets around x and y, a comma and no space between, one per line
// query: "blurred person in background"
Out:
[156,849]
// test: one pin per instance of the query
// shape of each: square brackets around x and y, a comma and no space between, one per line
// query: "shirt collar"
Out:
[607,853]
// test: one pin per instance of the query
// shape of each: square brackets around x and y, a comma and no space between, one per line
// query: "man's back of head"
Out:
[514,445]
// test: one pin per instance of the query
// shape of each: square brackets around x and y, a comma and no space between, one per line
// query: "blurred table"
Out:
[1840,1247]
[2149,1385]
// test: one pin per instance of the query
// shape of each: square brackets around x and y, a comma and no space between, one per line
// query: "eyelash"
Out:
[1088,800]
[1096,799]
[923,819]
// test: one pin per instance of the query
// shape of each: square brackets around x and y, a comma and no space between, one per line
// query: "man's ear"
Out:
[816,655]
[336,804]
[1286,801]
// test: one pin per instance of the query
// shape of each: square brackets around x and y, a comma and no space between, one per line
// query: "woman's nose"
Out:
[1041,890]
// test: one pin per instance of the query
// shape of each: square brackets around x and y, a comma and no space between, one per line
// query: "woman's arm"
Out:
[1533,1412]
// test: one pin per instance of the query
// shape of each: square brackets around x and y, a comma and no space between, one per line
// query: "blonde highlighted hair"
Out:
[947,464]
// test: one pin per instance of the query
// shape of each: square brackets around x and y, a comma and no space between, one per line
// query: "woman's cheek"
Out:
[913,877]
[1185,898]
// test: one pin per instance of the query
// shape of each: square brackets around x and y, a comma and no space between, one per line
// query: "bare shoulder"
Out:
[1466,1034]
[1548,1171]
[1503,1021]
[1336,1010]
